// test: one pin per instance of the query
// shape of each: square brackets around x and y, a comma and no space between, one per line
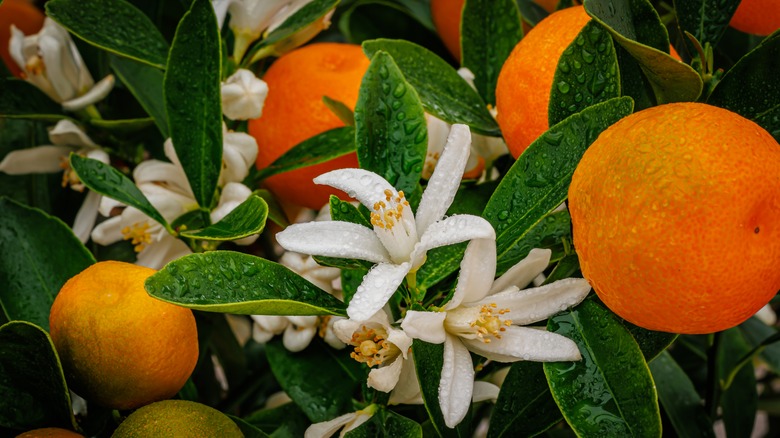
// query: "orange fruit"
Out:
[50,432]
[676,218]
[23,15]
[294,112]
[759,17]
[120,347]
[177,418]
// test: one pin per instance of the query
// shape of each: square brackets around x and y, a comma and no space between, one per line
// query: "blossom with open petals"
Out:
[50,61]
[243,95]
[485,316]
[399,240]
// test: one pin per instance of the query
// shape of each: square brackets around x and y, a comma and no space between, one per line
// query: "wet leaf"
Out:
[386,423]
[318,149]
[706,20]
[740,401]
[525,406]
[146,84]
[311,12]
[245,220]
[22,100]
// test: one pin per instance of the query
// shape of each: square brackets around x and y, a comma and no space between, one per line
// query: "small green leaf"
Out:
[387,424]
[610,392]
[346,212]
[740,401]
[313,11]
[232,282]
[707,20]
[587,74]
[440,263]
[318,149]
[525,406]
[116,26]
[442,91]
[538,182]
[31,380]
[679,399]
[390,129]
[33,269]
[275,212]
[245,220]
[751,87]
[110,182]
[340,110]
[312,379]
[489,31]
[23,100]
[146,84]
[193,100]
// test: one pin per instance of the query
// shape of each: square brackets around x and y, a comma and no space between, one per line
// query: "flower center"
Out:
[138,234]
[372,348]
[69,177]
[489,323]
[35,65]
[394,224]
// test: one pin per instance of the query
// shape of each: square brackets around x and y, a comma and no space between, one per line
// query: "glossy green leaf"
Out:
[116,26]
[312,379]
[346,212]
[525,406]
[531,11]
[390,129]
[340,110]
[633,82]
[751,87]
[248,429]
[193,100]
[442,91]
[587,74]
[740,401]
[538,182]
[275,211]
[388,424]
[318,149]
[31,380]
[281,36]
[756,332]
[565,268]
[610,392]
[33,270]
[706,20]
[679,398]
[108,181]
[146,84]
[652,343]
[282,421]
[232,282]
[439,264]
[489,31]
[23,100]
[245,220]
[636,26]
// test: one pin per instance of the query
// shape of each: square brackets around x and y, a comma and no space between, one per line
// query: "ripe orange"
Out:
[294,112]
[50,432]
[676,218]
[177,418]
[120,347]
[23,15]
[759,17]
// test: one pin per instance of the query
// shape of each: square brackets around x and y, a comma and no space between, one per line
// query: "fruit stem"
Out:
[712,396]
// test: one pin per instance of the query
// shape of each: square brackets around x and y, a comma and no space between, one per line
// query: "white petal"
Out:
[377,287]
[445,180]
[243,96]
[457,382]
[536,304]
[41,159]
[220,10]
[158,254]
[67,133]
[15,47]
[484,391]
[94,95]
[109,231]
[407,390]
[95,154]
[385,378]
[367,187]
[426,326]
[85,218]
[156,171]
[334,239]
[400,339]
[477,270]
[272,323]
[297,338]
[454,229]
[238,155]
[233,194]
[60,72]
[526,343]
[328,428]
[261,336]
[524,271]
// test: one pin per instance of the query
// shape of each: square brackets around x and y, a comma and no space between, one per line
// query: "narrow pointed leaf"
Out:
[247,219]
[340,110]
[442,91]
[756,332]
[318,149]
[538,182]
[116,26]
[32,269]
[610,392]
[525,406]
[490,29]
[310,13]
[33,385]
[193,100]
[232,282]
[387,424]
[22,100]
[740,401]
[707,20]
[285,418]
[146,84]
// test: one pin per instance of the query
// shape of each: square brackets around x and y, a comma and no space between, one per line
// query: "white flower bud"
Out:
[243,95]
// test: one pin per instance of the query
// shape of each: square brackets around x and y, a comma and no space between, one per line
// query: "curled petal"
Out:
[457,382]
[485,391]
[296,338]
[167,249]
[238,155]
[95,94]
[363,185]
[536,304]
[85,218]
[426,326]
[477,270]
[385,378]
[67,133]
[526,343]
[377,287]
[524,271]
[454,229]
[243,95]
[334,239]
[41,159]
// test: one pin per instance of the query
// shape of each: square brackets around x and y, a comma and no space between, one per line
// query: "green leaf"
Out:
[23,100]
[193,100]
[312,379]
[610,392]
[740,401]
[346,212]
[107,181]
[146,84]
[651,343]
[122,126]
[633,82]
[387,424]
[566,267]
[538,182]
[587,74]
[248,429]
[116,26]
[489,31]
[340,110]
[307,15]
[318,149]
[636,26]
[232,282]
[31,380]
[679,399]
[707,20]
[40,255]
[245,220]
[275,212]
[525,406]
[391,134]
[440,263]
[285,418]
[751,87]
[442,91]
[756,332]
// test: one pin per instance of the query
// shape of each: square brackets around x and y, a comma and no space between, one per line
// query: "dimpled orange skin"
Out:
[50,432]
[759,17]
[676,218]
[120,347]
[294,112]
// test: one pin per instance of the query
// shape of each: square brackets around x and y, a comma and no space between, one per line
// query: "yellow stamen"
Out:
[138,235]
[489,323]
[386,215]
[371,347]
[69,177]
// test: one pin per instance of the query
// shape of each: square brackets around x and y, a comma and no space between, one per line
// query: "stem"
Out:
[712,396]
[260,54]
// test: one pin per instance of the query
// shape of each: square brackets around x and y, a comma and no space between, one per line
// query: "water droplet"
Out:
[563,87]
